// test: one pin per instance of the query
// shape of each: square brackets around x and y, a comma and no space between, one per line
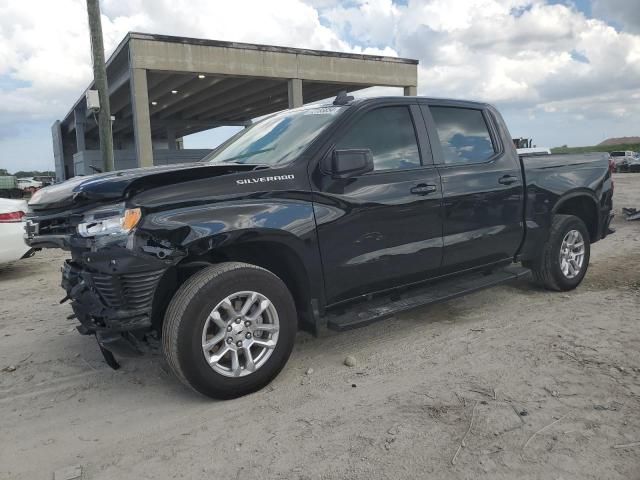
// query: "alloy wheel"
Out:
[240,334]
[572,253]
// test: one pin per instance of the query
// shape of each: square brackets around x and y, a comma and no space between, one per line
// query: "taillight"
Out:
[11,217]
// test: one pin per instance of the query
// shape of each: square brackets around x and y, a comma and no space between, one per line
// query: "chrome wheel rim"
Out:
[572,254]
[240,334]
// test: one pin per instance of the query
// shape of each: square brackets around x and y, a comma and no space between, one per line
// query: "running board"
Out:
[383,307]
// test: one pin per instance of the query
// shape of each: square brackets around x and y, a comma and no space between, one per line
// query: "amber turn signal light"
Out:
[131,218]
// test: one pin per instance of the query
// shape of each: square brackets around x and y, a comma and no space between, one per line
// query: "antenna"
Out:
[343,98]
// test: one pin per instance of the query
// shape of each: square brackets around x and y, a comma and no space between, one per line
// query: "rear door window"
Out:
[464,135]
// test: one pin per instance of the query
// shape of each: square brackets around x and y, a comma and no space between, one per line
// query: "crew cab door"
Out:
[481,184]
[380,229]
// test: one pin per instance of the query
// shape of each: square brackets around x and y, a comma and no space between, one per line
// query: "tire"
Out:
[547,270]
[190,315]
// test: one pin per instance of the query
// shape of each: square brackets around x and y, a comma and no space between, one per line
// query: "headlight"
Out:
[109,220]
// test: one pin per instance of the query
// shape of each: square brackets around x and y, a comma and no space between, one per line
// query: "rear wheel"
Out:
[229,329]
[565,256]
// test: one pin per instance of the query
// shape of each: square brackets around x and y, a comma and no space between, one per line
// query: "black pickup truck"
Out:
[331,215]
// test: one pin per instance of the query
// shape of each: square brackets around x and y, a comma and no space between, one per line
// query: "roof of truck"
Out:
[433,100]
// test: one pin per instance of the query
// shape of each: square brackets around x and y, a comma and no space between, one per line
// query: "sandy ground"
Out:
[543,385]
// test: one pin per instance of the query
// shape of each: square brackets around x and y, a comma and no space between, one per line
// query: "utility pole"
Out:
[100,80]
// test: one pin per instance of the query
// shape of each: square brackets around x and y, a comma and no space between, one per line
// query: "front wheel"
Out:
[565,255]
[229,329]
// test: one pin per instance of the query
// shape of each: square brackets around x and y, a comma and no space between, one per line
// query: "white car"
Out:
[12,245]
[29,184]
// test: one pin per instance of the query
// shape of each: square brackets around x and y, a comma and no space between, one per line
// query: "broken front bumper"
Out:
[112,291]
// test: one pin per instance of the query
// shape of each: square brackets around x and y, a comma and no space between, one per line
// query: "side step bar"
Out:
[383,307]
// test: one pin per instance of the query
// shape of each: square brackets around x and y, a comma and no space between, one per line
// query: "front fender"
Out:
[186,227]
[196,230]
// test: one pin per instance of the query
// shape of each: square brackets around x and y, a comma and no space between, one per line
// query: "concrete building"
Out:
[163,88]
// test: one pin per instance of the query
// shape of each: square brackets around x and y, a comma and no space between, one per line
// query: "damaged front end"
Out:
[114,277]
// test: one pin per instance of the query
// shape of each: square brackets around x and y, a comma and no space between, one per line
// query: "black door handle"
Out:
[507,180]
[423,189]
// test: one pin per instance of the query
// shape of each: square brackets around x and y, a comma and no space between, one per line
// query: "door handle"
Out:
[507,180]
[423,189]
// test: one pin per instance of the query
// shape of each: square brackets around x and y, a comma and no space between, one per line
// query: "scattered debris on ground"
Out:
[350,361]
[631,213]
[73,472]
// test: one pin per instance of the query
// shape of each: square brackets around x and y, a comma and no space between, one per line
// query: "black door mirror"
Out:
[350,162]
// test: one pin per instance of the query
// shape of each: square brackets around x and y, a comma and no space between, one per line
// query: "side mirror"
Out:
[350,162]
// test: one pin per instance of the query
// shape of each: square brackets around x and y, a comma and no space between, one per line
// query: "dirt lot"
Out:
[538,384]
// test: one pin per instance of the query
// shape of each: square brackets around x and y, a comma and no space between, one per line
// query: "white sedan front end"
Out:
[12,244]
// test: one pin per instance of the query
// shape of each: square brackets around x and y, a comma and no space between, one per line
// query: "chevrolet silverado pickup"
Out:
[325,216]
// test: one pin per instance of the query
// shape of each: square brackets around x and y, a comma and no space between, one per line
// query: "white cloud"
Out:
[519,53]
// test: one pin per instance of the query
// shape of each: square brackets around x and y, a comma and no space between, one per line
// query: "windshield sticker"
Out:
[322,111]
[246,181]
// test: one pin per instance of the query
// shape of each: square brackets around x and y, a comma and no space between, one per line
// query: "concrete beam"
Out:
[238,97]
[270,63]
[206,98]
[173,82]
[186,94]
[141,122]
[241,108]
[294,88]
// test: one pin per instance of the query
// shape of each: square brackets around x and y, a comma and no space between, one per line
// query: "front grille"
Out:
[132,291]
[63,225]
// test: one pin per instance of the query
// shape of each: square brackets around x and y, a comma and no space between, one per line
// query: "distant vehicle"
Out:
[29,184]
[332,215]
[626,161]
[12,244]
[46,180]
[9,187]
[525,146]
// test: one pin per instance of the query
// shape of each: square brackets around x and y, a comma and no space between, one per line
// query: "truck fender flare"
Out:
[300,256]
[580,193]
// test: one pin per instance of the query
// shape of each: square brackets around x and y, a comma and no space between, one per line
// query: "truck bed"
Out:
[567,160]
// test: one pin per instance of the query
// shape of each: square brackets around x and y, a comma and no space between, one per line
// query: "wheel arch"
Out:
[582,204]
[279,252]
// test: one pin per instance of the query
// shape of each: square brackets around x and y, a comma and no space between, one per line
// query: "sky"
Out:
[560,71]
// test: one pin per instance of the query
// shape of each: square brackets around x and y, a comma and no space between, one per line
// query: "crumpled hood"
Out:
[118,185]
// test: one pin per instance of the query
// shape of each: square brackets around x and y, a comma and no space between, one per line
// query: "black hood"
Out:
[118,185]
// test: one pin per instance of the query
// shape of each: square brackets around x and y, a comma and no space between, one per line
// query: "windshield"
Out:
[277,139]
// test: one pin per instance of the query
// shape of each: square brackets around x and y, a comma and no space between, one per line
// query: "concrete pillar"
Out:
[410,91]
[171,138]
[295,92]
[141,122]
[79,120]
[58,151]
